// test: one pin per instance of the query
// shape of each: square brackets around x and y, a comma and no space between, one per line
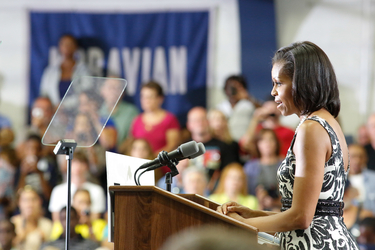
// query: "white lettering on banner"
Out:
[131,68]
[160,68]
[134,60]
[95,61]
[146,65]
[177,70]
[114,65]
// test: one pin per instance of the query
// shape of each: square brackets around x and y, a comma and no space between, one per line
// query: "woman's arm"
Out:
[312,148]
[173,140]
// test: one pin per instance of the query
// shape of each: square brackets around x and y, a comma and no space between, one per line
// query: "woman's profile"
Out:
[312,176]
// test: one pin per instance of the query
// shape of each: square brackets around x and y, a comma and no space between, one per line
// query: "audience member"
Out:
[209,237]
[56,78]
[123,113]
[262,170]
[41,114]
[40,117]
[353,210]
[239,106]
[8,165]
[80,166]
[141,148]
[366,240]
[36,170]
[267,116]
[219,128]
[88,228]
[363,137]
[77,242]
[89,104]
[216,155]
[370,147]
[232,187]
[158,126]
[361,178]
[6,131]
[194,181]
[32,228]
[7,235]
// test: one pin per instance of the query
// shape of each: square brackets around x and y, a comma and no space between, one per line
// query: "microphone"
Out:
[201,151]
[184,151]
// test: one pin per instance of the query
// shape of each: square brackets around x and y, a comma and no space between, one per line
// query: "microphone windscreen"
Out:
[189,148]
[201,150]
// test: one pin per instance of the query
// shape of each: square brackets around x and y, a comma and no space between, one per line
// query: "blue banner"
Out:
[169,47]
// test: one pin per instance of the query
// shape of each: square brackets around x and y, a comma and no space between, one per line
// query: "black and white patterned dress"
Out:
[324,232]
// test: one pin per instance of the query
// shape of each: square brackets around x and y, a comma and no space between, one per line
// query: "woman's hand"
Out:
[231,207]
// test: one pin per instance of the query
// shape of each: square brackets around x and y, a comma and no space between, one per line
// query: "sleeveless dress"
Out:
[325,232]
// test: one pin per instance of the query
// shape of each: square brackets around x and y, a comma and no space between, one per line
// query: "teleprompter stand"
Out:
[66,147]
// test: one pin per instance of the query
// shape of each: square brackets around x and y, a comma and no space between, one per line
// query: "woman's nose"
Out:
[273,91]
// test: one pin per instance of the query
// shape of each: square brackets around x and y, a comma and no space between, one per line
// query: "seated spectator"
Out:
[219,128]
[123,113]
[7,235]
[363,137]
[6,131]
[361,178]
[40,116]
[263,170]
[89,229]
[89,104]
[56,79]
[212,237]
[216,155]
[353,211]
[194,181]
[140,148]
[156,125]
[366,240]
[232,187]
[267,116]
[8,165]
[32,228]
[35,170]
[80,167]
[239,107]
[77,242]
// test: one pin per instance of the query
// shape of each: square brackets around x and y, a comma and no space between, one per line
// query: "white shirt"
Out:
[59,197]
[239,116]
[357,182]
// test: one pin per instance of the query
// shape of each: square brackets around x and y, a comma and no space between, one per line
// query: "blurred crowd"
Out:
[245,141]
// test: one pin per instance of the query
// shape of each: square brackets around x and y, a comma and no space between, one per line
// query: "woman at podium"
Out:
[312,176]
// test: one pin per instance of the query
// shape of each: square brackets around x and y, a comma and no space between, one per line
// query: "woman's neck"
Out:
[154,112]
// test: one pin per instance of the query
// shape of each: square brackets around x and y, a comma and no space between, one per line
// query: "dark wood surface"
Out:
[145,216]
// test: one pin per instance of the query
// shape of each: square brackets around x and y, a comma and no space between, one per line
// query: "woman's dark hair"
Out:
[313,77]
[71,37]
[259,137]
[155,86]
[238,78]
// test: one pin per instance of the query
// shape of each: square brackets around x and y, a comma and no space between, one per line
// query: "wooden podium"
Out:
[144,217]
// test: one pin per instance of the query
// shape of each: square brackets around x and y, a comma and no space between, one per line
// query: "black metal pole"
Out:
[168,181]
[69,158]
